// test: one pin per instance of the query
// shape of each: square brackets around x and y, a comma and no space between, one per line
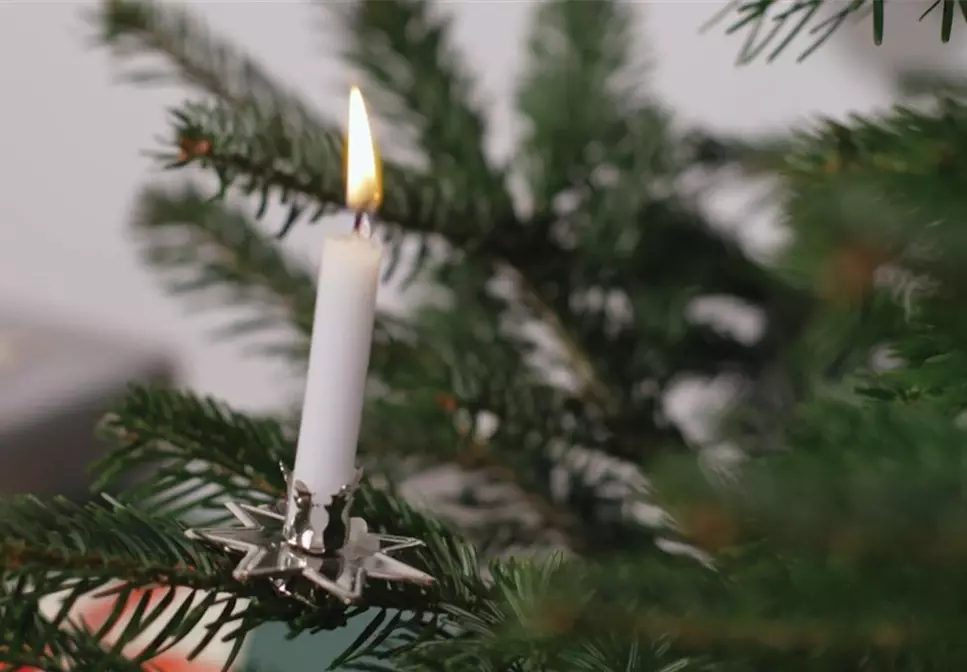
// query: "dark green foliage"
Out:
[871,480]
[898,171]
[580,96]
[49,547]
[772,25]
[167,432]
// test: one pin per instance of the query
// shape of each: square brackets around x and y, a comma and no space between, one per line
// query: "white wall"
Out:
[70,139]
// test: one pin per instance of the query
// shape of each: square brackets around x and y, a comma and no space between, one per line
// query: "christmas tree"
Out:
[555,309]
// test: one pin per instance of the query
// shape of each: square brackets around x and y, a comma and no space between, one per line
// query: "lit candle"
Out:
[342,333]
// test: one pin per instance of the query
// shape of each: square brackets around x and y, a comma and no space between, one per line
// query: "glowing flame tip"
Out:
[364,188]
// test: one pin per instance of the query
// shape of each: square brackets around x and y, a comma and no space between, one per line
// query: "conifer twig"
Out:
[205,245]
[591,387]
[200,59]
[48,548]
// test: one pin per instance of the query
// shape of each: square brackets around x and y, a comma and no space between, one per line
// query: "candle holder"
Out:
[291,557]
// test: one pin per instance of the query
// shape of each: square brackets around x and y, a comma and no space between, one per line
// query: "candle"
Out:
[342,334]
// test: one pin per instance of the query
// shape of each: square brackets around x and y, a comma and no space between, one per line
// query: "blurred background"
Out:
[79,314]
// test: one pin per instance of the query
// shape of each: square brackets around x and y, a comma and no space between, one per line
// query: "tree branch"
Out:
[581,87]
[47,548]
[204,245]
[784,22]
[141,27]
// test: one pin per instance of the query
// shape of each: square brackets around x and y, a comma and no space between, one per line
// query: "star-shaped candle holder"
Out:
[284,555]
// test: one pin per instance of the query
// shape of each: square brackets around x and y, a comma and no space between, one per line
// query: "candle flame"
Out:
[364,187]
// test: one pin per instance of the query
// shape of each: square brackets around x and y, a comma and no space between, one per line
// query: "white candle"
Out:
[342,335]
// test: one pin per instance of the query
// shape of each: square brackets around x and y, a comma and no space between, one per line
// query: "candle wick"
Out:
[361,225]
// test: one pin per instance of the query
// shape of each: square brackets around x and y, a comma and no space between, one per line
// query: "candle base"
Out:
[299,531]
[298,566]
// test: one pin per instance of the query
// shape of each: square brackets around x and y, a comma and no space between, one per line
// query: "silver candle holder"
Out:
[298,561]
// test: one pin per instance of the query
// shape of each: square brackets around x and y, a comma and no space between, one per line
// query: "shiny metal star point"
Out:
[342,573]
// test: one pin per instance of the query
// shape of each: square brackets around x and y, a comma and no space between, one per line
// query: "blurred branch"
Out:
[760,156]
[754,611]
[200,59]
[861,190]
[876,478]
[932,83]
[418,83]
[204,245]
[479,405]
[578,95]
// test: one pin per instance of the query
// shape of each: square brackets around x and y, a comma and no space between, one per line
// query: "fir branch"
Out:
[99,543]
[419,84]
[211,446]
[784,22]
[534,421]
[924,82]
[930,343]
[581,98]
[262,154]
[31,641]
[760,156]
[132,28]
[205,245]
[192,430]
[59,547]
[757,611]
[758,605]
[49,548]
[872,480]
[203,446]
[882,141]
[198,452]
[860,192]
